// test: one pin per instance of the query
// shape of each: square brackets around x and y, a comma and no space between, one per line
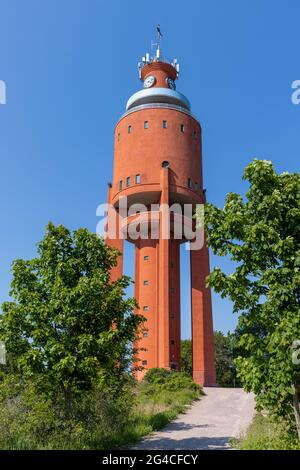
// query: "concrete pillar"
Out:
[146,280]
[164,273]
[174,304]
[202,326]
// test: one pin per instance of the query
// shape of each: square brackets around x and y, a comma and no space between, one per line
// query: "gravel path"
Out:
[209,424]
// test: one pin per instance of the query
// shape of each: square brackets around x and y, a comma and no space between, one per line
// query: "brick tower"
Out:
[158,161]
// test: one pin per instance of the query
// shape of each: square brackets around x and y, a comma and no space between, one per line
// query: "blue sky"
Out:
[69,68]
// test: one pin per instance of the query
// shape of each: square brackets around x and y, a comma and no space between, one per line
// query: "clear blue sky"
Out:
[70,66]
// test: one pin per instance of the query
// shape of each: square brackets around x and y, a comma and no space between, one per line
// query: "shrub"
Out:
[170,380]
[157,375]
[169,388]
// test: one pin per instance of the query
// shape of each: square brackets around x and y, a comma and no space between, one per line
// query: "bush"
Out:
[174,390]
[157,376]
[170,380]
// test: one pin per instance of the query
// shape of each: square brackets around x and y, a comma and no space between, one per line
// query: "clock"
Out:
[171,83]
[149,81]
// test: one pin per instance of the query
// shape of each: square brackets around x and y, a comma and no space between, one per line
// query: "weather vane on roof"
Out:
[159,33]
[159,36]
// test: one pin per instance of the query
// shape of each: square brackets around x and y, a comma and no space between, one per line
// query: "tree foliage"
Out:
[68,323]
[226,350]
[186,357]
[261,235]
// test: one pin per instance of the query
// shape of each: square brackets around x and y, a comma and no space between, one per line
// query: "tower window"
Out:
[146,258]
[146,308]
[172,290]
[119,135]
[196,187]
[189,183]
[120,185]
[172,341]
[164,124]
[137,179]
[144,363]
[129,129]
[128,181]
[146,282]
[182,128]
[146,125]
[195,134]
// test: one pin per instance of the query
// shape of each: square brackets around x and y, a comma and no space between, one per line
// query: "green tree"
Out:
[226,352]
[68,323]
[261,236]
[186,357]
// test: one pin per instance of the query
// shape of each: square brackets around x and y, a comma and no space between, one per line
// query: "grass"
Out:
[265,433]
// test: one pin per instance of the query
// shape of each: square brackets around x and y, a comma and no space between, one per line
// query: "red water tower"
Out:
[158,162]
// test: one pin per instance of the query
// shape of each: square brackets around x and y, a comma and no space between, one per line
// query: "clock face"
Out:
[171,83]
[149,81]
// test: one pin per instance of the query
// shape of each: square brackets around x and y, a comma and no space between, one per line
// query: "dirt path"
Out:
[209,424]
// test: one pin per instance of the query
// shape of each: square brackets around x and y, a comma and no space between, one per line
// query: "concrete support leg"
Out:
[164,273]
[202,325]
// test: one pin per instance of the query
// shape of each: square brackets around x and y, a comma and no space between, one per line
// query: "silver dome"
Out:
[158,95]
